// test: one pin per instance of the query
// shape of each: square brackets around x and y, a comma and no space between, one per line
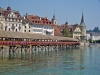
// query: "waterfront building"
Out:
[93,36]
[57,31]
[76,30]
[26,26]
[87,36]
[40,25]
[11,19]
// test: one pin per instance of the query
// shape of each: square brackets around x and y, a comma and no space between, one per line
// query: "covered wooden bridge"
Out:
[18,38]
[27,42]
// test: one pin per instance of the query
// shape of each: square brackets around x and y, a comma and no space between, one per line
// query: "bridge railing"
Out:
[36,43]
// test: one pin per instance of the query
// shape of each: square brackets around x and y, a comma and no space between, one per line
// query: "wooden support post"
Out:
[2,48]
[31,49]
[48,47]
[65,46]
[21,51]
[45,48]
[13,51]
[35,49]
[10,52]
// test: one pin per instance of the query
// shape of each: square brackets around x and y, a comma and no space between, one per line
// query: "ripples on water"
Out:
[83,61]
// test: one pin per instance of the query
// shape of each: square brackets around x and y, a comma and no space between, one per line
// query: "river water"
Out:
[83,61]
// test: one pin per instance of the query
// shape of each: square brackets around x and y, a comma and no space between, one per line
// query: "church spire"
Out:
[54,21]
[82,19]
[54,14]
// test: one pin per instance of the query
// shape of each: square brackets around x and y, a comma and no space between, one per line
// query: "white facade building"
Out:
[11,20]
[42,29]
[93,36]
[40,25]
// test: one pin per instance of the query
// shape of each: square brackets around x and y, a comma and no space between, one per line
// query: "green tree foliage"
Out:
[67,32]
[90,40]
[96,29]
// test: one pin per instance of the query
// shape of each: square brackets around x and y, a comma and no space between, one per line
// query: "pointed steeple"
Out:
[54,14]
[66,22]
[54,21]
[82,20]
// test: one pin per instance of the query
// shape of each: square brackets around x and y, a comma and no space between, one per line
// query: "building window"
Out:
[29,26]
[29,30]
[25,26]
[24,30]
[9,29]
[16,30]
[16,25]
[5,28]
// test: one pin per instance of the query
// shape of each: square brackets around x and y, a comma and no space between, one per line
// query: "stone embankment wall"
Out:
[84,43]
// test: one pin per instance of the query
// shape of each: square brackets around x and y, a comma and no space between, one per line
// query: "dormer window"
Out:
[35,21]
[44,22]
[32,17]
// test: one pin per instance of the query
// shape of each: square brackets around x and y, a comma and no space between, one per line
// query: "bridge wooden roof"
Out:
[9,34]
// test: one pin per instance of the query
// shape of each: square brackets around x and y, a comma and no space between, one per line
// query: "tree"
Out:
[96,29]
[90,40]
[67,32]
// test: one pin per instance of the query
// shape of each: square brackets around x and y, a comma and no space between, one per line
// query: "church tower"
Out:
[54,21]
[83,29]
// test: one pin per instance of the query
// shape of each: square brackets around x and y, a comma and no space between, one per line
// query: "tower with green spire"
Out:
[54,21]
[83,29]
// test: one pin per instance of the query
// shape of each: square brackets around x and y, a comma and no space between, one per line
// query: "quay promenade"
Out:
[28,41]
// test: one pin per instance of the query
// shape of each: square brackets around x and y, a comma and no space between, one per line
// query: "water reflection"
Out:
[83,61]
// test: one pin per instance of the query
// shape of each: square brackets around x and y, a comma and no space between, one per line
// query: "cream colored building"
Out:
[26,27]
[76,30]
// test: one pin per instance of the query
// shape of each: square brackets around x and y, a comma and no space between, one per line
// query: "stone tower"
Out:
[83,29]
[54,21]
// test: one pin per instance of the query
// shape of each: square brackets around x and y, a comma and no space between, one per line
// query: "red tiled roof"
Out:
[34,19]
[57,31]
[8,11]
[72,27]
